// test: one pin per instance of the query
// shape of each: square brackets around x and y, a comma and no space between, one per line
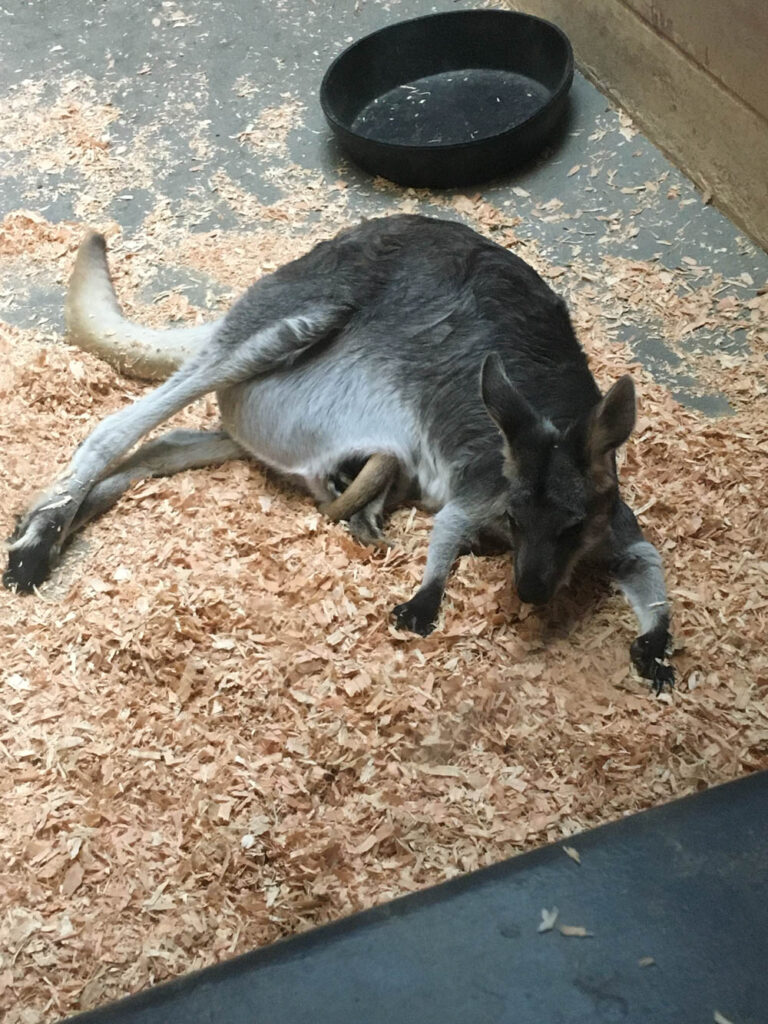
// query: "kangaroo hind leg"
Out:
[224,362]
[171,453]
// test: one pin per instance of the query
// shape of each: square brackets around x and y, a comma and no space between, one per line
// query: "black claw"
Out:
[648,654]
[406,619]
[411,619]
[664,676]
[28,567]
[419,615]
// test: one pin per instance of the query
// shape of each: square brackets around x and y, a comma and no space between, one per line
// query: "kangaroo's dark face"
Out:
[562,484]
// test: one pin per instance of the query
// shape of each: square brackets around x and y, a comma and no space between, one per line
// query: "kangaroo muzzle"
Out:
[536,574]
[532,589]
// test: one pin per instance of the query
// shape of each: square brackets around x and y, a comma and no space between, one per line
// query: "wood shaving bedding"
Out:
[210,734]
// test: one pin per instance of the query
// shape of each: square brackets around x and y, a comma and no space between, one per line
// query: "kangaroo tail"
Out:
[96,323]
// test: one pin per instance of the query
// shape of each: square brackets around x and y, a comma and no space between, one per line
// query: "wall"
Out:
[694,75]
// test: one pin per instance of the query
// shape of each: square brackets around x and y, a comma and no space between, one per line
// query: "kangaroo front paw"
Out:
[418,615]
[649,654]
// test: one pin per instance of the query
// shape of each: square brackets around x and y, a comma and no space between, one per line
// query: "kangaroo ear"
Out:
[612,419]
[505,404]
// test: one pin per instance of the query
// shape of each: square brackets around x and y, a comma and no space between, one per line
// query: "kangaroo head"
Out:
[562,484]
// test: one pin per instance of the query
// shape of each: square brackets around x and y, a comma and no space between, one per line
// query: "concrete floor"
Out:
[170,67]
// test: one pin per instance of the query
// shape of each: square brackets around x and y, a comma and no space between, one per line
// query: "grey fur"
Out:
[175,451]
[373,343]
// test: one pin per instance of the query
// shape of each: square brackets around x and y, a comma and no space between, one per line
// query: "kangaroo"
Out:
[406,359]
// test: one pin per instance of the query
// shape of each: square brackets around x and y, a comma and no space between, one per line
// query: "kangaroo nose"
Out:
[533,590]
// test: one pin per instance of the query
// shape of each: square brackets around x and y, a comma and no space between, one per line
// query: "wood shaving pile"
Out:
[212,737]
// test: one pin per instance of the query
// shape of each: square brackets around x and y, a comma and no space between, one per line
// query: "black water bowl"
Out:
[449,99]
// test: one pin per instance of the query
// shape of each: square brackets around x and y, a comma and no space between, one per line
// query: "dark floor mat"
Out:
[674,901]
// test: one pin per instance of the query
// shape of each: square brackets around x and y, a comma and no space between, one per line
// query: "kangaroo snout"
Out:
[532,589]
[538,569]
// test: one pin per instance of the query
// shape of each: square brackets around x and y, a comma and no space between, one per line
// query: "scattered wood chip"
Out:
[719,1018]
[208,692]
[548,920]
[575,931]
[646,961]
[572,853]
[72,879]
[447,771]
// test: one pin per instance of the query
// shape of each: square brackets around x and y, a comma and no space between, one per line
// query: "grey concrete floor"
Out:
[171,71]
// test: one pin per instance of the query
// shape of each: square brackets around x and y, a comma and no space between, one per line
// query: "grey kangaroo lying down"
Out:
[413,340]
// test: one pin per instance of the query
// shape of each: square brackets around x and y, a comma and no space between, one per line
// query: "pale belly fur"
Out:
[306,421]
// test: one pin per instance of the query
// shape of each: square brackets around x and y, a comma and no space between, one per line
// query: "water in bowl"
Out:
[451,108]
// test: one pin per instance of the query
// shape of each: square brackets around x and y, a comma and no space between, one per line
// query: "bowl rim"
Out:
[562,88]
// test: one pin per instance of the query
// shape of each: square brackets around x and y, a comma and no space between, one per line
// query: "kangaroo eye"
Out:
[571,530]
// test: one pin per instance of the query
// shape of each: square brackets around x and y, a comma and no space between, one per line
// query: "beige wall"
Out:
[729,38]
[694,75]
